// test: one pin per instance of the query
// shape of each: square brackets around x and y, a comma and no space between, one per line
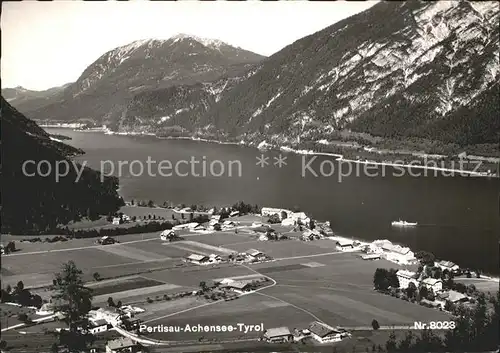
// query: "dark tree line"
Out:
[32,204]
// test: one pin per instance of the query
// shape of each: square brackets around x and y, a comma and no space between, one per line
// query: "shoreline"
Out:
[286,149]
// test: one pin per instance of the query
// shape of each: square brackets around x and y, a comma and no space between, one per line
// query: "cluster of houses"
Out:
[391,252]
[251,255]
[406,277]
[287,217]
[318,331]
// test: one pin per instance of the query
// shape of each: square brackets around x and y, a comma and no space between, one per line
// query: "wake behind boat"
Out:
[401,223]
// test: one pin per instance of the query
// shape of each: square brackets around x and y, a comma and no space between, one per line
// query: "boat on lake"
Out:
[401,223]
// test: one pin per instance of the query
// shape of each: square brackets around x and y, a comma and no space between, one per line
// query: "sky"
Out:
[48,44]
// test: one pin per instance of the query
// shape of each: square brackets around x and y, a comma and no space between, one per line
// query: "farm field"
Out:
[311,281]
[336,289]
[249,310]
[283,248]
[193,275]
[482,284]
[50,262]
[126,284]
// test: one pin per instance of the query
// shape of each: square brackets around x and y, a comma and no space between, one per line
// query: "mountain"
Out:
[103,89]
[36,203]
[29,100]
[397,70]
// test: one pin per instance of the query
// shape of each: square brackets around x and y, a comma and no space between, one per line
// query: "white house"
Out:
[122,345]
[269,211]
[112,316]
[398,254]
[198,259]
[288,222]
[229,224]
[324,333]
[371,257]
[300,216]
[448,265]
[406,277]
[344,245]
[254,254]
[238,286]
[263,237]
[99,326]
[234,214]
[431,283]
[116,220]
[167,234]
[278,334]
[213,258]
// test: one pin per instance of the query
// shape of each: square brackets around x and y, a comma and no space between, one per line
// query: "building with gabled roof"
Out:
[432,283]
[198,259]
[324,333]
[406,277]
[278,334]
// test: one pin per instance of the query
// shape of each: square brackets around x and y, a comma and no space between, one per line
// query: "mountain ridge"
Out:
[120,73]
[418,74]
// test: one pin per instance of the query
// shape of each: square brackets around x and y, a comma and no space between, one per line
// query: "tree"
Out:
[274,218]
[10,247]
[437,274]
[3,344]
[119,304]
[283,215]
[151,203]
[375,324]
[173,216]
[19,287]
[73,300]
[23,317]
[96,276]
[391,343]
[203,286]
[449,306]
[111,302]
[54,348]
[423,291]
[217,227]
[411,290]
[425,257]
[380,279]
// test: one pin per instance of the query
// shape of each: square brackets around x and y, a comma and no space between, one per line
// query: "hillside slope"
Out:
[37,203]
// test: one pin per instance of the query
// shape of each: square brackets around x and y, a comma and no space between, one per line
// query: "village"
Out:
[244,265]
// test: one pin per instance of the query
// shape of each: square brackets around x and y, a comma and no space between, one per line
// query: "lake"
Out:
[458,217]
